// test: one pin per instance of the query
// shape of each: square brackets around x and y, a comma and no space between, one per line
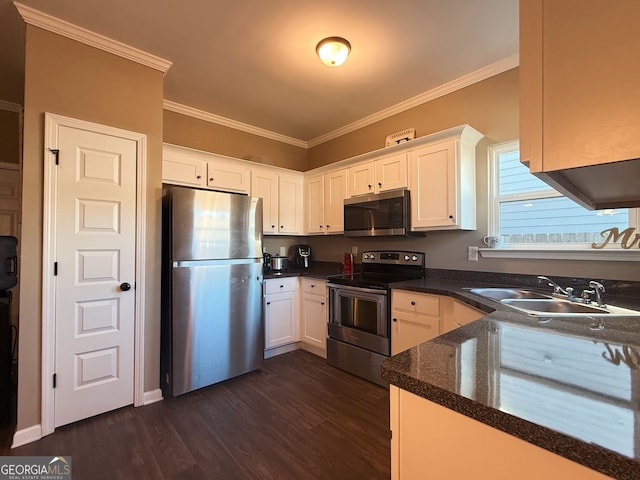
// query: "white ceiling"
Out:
[254,61]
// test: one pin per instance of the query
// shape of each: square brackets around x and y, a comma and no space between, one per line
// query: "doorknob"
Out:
[125,287]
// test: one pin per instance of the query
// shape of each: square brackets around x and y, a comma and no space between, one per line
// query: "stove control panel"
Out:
[393,257]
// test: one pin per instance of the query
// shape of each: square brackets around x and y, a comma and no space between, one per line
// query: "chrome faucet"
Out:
[557,289]
[598,289]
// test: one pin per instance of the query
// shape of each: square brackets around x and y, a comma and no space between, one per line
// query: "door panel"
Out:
[95,253]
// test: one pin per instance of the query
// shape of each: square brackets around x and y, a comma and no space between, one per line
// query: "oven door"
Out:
[360,316]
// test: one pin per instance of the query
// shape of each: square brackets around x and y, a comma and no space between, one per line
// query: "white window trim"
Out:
[582,251]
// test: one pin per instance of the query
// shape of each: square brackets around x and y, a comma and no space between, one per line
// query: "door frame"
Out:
[52,125]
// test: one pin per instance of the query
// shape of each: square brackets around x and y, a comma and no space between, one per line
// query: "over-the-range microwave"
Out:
[379,214]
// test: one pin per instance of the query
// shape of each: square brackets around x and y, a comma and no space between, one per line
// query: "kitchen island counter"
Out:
[570,385]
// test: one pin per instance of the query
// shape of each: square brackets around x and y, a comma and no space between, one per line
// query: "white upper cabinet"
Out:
[387,173]
[324,200]
[195,168]
[264,184]
[335,191]
[290,209]
[314,204]
[442,182]
[229,176]
[181,169]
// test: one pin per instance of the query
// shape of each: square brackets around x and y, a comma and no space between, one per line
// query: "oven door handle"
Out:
[357,289]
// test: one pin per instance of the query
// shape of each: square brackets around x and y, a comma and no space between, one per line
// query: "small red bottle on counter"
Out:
[347,263]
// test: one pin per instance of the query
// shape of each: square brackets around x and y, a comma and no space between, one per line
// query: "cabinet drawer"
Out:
[279,285]
[422,303]
[314,286]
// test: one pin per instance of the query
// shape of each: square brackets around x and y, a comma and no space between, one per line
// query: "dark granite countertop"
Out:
[320,270]
[562,383]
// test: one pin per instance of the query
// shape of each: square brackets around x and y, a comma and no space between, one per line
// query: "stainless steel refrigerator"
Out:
[212,319]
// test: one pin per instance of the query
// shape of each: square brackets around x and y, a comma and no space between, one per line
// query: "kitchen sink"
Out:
[507,293]
[539,304]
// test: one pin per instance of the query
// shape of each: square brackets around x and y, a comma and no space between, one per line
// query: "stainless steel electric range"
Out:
[360,311]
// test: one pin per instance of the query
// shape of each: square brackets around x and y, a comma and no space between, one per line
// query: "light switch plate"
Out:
[472,254]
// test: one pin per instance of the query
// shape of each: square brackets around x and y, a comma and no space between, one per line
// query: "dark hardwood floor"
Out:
[296,418]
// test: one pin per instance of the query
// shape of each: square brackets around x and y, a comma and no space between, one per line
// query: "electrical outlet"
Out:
[354,250]
[472,254]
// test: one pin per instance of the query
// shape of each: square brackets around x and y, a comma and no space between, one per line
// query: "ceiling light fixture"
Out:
[333,51]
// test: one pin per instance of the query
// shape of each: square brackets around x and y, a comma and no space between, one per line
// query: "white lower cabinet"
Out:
[428,440]
[456,314]
[415,318]
[280,312]
[418,317]
[313,315]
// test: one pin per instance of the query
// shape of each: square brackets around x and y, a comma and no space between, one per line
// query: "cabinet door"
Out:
[410,329]
[391,172]
[433,186]
[183,171]
[335,191]
[315,204]
[280,319]
[360,179]
[264,184]
[228,177]
[579,83]
[290,208]
[313,320]
[456,314]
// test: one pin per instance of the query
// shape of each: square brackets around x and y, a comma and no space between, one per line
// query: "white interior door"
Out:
[95,257]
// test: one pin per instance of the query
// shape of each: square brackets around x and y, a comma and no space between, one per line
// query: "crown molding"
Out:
[227,122]
[74,32]
[11,107]
[440,91]
[457,84]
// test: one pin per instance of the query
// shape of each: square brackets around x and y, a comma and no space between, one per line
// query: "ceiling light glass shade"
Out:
[333,51]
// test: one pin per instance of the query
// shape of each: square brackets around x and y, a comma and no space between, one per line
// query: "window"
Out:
[529,214]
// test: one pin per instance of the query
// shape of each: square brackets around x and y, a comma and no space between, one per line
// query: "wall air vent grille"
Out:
[400,137]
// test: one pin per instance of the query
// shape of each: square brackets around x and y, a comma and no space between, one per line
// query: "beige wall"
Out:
[194,133]
[9,136]
[68,78]
[490,106]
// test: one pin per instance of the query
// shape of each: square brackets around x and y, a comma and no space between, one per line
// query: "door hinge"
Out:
[54,380]
[56,152]
[55,268]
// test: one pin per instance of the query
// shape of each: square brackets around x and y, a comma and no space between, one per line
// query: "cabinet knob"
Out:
[321,303]
[281,226]
[379,184]
[211,179]
[268,303]
[281,286]
[320,227]
[369,187]
[312,286]
[394,319]
[451,217]
[328,227]
[199,177]
[412,302]
[273,226]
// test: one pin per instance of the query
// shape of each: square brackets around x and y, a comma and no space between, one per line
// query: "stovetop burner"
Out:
[380,268]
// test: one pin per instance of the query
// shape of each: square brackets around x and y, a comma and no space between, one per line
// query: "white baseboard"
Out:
[152,397]
[321,352]
[26,435]
[272,352]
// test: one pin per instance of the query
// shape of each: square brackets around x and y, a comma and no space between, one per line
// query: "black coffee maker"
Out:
[301,256]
